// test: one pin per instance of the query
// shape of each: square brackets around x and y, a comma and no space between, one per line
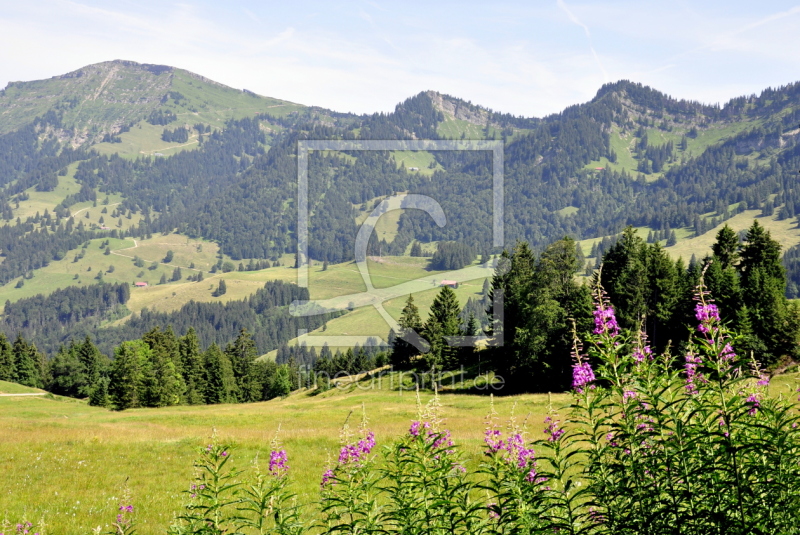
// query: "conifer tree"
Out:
[726,248]
[219,379]
[763,287]
[281,384]
[162,378]
[8,368]
[624,277]
[443,321]
[221,289]
[126,386]
[93,365]
[402,351]
[192,365]
[28,363]
[99,395]
[242,354]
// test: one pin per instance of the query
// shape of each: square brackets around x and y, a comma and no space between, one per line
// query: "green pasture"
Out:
[67,463]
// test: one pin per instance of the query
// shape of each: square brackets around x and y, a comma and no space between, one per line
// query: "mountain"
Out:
[160,150]
[105,98]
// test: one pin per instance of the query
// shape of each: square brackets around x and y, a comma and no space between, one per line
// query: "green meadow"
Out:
[66,463]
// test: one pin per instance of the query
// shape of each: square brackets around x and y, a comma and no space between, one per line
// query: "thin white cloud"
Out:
[522,61]
[563,6]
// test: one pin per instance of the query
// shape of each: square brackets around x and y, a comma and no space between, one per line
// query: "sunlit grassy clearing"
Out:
[786,232]
[68,461]
[421,160]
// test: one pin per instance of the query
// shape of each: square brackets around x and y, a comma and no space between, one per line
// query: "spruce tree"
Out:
[99,395]
[763,286]
[221,289]
[126,386]
[163,379]
[281,384]
[219,379]
[443,321]
[624,277]
[192,365]
[402,351]
[93,363]
[726,248]
[27,363]
[68,377]
[8,367]
[242,354]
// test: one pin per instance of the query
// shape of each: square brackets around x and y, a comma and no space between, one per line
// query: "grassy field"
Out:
[452,128]
[422,160]
[145,139]
[786,232]
[624,145]
[14,388]
[66,462]
[84,271]
[89,213]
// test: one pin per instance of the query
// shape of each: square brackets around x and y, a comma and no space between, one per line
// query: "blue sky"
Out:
[526,58]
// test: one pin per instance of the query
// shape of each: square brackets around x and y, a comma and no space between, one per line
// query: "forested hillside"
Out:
[189,156]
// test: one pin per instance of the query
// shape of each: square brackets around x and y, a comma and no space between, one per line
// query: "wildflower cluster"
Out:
[278,466]
[23,528]
[220,501]
[648,408]
[516,453]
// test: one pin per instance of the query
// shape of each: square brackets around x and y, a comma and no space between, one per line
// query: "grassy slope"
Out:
[419,159]
[786,232]
[14,388]
[624,144]
[115,93]
[67,461]
[62,273]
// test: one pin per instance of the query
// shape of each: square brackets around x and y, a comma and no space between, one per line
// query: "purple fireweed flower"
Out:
[708,316]
[491,507]
[605,321]
[552,429]
[517,454]
[640,355]
[692,375]
[224,453]
[628,394]
[441,439]
[354,453]
[727,353]
[493,440]
[582,375]
[515,445]
[763,380]
[417,426]
[277,463]
[754,404]
[326,478]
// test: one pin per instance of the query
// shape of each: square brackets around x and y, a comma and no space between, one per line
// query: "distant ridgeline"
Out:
[630,156]
[237,188]
[76,312]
